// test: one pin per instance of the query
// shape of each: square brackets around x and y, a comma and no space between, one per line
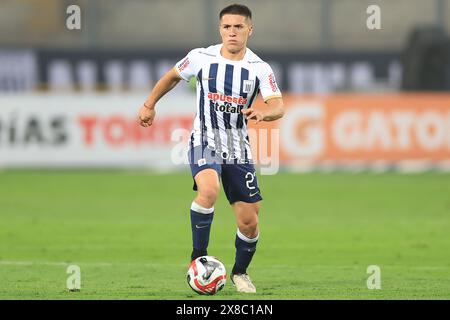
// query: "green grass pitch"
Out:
[129,232]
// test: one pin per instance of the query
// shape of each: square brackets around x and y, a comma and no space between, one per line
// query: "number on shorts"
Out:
[250,177]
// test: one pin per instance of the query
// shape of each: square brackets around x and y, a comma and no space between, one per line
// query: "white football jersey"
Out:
[224,88]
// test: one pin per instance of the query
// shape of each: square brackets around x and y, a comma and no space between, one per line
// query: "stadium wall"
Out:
[119,70]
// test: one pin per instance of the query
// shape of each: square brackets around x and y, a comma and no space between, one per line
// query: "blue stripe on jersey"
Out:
[255,93]
[212,77]
[228,90]
[240,117]
[212,84]
[229,79]
[202,109]
[192,147]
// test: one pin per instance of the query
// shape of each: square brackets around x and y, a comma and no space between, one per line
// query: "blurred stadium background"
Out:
[358,100]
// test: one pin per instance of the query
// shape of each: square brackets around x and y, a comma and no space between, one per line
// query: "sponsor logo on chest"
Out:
[217,97]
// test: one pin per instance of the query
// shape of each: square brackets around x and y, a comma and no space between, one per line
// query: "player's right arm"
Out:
[164,85]
[183,70]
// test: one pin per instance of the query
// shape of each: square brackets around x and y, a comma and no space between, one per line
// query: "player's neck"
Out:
[236,56]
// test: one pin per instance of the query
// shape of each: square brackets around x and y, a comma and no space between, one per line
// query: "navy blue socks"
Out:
[245,249]
[201,220]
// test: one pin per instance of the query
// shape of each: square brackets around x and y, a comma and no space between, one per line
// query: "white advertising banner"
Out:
[95,130]
[102,131]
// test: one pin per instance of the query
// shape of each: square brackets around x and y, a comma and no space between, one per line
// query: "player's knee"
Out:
[209,195]
[250,231]
[249,227]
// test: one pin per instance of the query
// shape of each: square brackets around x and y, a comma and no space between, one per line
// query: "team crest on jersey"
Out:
[248,86]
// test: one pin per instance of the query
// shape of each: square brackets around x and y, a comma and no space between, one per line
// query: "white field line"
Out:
[91,264]
[137,264]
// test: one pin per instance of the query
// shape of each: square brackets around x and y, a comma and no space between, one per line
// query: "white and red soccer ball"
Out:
[206,275]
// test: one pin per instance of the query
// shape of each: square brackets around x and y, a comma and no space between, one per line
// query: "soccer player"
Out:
[229,77]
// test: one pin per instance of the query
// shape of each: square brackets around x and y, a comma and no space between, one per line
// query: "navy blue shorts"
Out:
[238,179]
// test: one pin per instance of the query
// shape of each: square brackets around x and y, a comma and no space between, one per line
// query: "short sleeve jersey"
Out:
[224,88]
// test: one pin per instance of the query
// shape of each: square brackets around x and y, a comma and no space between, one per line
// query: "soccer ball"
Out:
[206,275]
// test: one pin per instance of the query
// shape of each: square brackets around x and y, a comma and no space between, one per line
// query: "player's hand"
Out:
[253,114]
[146,116]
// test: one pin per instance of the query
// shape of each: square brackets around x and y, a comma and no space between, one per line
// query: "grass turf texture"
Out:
[130,234]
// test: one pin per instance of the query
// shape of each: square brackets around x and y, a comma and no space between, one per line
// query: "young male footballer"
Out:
[229,77]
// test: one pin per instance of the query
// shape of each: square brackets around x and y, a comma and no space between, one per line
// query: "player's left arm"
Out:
[273,111]
[271,94]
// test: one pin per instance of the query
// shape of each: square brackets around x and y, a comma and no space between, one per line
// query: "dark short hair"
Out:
[239,9]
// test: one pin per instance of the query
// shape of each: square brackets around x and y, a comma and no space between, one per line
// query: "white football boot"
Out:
[243,283]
